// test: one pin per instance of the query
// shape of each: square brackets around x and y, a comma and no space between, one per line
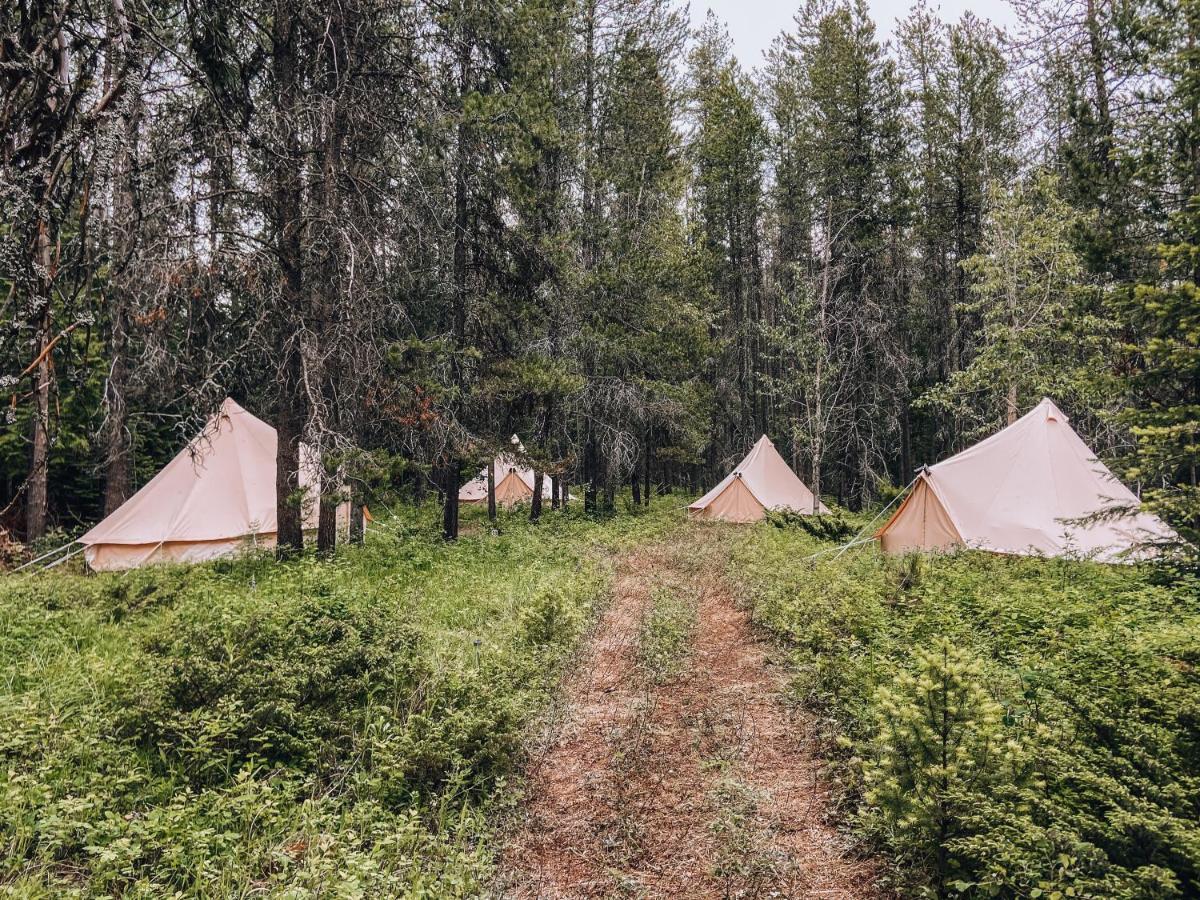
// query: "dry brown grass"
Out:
[703,785]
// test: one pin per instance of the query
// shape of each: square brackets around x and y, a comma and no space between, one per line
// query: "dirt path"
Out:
[696,781]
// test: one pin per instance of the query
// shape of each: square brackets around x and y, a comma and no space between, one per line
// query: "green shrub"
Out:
[937,744]
[1077,712]
[666,634]
[312,728]
[833,526]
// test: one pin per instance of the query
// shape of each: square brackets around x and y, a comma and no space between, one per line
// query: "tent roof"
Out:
[222,485]
[1018,490]
[769,478]
[505,463]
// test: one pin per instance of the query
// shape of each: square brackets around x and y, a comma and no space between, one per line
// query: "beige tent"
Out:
[213,499]
[514,482]
[1022,491]
[760,482]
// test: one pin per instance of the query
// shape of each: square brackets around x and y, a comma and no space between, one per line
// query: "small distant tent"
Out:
[514,482]
[1024,491]
[216,497]
[760,482]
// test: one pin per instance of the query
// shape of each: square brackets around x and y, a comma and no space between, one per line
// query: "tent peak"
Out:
[1051,410]
[229,406]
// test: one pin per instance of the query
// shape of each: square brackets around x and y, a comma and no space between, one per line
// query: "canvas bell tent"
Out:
[760,482]
[216,497]
[1024,491]
[514,482]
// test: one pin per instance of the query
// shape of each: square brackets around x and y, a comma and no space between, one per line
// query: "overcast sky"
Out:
[753,24]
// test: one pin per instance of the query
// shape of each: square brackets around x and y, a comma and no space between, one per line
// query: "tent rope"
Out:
[840,549]
[45,556]
[63,559]
[858,538]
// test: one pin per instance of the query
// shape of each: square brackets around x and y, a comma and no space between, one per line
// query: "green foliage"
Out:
[938,745]
[666,634]
[1065,694]
[308,728]
[832,526]
[1036,337]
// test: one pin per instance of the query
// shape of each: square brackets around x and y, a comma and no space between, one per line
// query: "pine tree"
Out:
[1037,336]
[727,151]
[1164,308]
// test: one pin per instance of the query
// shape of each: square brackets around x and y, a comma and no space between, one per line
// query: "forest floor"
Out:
[672,765]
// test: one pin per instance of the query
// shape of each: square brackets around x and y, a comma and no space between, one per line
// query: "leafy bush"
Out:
[1069,692]
[312,728]
[832,526]
[937,744]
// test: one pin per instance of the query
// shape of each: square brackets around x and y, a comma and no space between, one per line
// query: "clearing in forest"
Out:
[672,766]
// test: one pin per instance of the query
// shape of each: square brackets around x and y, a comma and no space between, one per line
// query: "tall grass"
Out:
[313,728]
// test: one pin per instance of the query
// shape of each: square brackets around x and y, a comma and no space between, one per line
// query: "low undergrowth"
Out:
[1009,727]
[313,728]
[666,634]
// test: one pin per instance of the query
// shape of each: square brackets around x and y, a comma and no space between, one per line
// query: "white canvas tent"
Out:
[216,497]
[1023,491]
[760,482]
[514,482]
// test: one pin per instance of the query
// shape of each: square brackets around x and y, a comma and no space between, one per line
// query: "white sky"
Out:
[753,24]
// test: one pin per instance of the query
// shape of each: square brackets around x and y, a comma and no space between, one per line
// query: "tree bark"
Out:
[289,536]
[117,440]
[286,214]
[39,456]
[555,491]
[589,475]
[491,488]
[535,503]
[358,521]
[450,501]
[327,524]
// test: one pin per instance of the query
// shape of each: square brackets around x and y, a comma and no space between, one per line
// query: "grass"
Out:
[340,728]
[666,634]
[1008,727]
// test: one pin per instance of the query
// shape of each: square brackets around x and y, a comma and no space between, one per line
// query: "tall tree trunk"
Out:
[286,214]
[118,449]
[590,475]
[39,456]
[45,235]
[555,491]
[815,487]
[491,489]
[327,522]
[358,523]
[289,537]
[450,501]
[535,503]
[116,437]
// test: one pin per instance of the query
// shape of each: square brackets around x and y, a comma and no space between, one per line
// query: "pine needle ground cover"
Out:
[1007,727]
[338,728]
